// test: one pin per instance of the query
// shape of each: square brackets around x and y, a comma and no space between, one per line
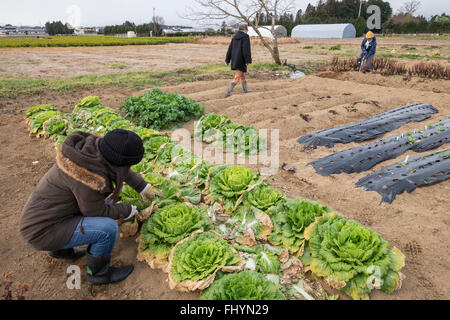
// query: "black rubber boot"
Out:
[67,254]
[245,88]
[100,272]
[230,89]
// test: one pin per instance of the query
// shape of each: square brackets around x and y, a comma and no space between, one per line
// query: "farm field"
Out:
[416,223]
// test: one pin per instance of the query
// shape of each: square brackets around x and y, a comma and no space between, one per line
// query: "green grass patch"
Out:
[12,87]
[89,41]
[336,47]
[307,47]
[434,38]
[119,65]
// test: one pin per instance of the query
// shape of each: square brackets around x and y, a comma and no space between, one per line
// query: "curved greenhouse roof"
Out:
[280,31]
[315,31]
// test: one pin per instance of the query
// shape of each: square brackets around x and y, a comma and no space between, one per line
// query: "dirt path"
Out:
[416,223]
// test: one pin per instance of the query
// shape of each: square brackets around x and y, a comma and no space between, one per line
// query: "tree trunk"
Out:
[276,55]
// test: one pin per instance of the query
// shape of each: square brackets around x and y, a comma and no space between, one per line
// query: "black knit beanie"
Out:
[122,148]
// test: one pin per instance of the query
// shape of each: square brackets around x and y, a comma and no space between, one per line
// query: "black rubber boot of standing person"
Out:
[230,89]
[100,272]
[245,88]
[67,254]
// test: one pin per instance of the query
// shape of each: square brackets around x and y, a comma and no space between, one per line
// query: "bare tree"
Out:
[156,26]
[410,7]
[244,11]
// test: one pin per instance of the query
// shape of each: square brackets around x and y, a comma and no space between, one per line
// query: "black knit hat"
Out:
[122,147]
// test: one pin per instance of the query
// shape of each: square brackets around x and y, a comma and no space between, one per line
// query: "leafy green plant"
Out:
[267,262]
[200,257]
[56,126]
[263,197]
[228,183]
[36,121]
[245,285]
[169,225]
[243,219]
[336,47]
[153,144]
[236,138]
[129,195]
[353,258]
[37,109]
[290,218]
[161,110]
[208,124]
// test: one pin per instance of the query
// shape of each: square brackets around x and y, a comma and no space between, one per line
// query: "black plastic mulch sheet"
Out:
[370,128]
[363,158]
[407,176]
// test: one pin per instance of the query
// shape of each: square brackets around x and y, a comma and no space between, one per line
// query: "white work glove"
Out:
[134,211]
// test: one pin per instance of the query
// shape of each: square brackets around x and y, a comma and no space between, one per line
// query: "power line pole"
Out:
[154,22]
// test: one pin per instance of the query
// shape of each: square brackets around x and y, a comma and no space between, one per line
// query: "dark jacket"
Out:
[372,48]
[239,53]
[76,186]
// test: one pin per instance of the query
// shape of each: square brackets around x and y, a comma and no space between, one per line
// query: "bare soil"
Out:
[416,223]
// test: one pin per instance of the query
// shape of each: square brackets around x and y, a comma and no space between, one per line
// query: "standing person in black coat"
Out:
[239,54]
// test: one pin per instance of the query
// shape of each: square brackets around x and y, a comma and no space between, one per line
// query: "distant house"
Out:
[22,31]
[85,31]
[324,31]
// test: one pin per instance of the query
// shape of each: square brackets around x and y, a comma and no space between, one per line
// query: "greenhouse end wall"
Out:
[324,31]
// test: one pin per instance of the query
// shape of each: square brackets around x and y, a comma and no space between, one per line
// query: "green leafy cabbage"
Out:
[161,110]
[263,197]
[37,109]
[129,195]
[169,225]
[200,257]
[267,262]
[245,285]
[36,122]
[231,181]
[290,218]
[352,257]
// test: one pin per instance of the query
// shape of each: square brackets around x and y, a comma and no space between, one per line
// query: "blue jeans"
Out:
[99,233]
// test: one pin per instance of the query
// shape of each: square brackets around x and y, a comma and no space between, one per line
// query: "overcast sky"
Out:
[106,12]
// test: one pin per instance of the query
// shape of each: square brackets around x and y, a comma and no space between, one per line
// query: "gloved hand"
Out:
[150,192]
[134,211]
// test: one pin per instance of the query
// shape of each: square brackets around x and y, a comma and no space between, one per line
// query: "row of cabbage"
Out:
[223,230]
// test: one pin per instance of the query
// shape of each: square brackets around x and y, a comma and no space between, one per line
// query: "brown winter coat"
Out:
[75,186]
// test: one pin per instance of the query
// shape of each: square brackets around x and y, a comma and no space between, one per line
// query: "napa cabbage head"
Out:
[353,258]
[245,285]
[153,145]
[231,181]
[263,197]
[208,125]
[56,126]
[201,256]
[39,108]
[290,219]
[130,196]
[169,225]
[36,122]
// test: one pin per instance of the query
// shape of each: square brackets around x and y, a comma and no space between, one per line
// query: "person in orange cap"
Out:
[368,50]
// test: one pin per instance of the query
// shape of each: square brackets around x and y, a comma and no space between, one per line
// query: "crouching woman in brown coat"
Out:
[74,204]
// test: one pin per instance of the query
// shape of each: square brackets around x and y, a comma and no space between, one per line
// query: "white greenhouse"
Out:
[323,31]
[265,31]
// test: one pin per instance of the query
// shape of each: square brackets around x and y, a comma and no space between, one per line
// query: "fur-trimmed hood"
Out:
[92,180]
